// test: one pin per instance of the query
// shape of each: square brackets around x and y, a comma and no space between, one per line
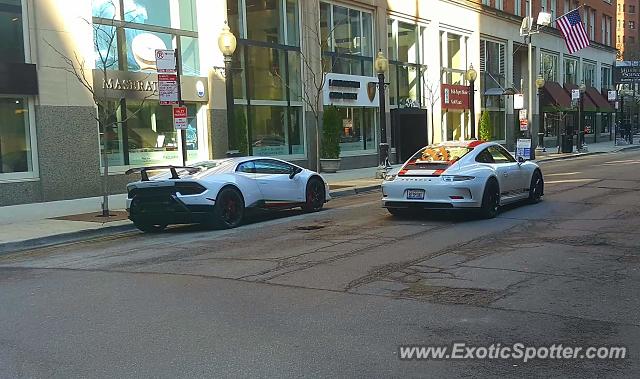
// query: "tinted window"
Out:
[500,155]
[484,157]
[247,167]
[268,166]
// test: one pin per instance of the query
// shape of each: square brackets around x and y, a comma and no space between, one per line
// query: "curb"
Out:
[87,234]
[58,239]
[578,155]
[353,191]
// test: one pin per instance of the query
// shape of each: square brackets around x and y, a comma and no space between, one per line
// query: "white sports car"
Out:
[472,174]
[216,193]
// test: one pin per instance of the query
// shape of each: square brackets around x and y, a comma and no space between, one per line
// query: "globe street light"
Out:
[471,76]
[381,64]
[540,85]
[227,44]
[582,88]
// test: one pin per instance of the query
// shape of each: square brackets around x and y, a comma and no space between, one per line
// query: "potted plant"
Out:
[485,127]
[330,143]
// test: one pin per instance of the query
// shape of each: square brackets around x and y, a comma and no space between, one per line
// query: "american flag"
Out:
[573,30]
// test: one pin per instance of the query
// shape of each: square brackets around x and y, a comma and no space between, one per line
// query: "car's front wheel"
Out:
[229,209]
[490,200]
[150,228]
[536,189]
[314,195]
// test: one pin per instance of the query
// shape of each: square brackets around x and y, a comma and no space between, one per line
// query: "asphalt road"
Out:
[334,294]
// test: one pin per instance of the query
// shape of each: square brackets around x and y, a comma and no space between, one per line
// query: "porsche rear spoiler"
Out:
[173,169]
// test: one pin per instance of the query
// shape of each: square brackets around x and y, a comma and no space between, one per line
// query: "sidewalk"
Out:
[50,228]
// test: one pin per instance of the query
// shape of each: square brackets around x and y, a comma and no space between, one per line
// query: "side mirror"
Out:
[294,172]
[521,160]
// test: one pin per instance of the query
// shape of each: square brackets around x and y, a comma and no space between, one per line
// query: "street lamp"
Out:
[227,44]
[381,64]
[471,76]
[582,88]
[540,85]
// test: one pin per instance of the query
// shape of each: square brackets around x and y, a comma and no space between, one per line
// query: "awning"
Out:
[554,98]
[589,105]
[601,102]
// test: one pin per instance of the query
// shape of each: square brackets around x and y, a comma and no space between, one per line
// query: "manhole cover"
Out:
[310,227]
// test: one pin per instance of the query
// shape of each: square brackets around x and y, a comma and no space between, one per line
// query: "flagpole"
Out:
[559,17]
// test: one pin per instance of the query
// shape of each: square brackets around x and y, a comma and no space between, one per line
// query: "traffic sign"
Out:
[168,89]
[166,61]
[180,118]
[524,125]
[523,148]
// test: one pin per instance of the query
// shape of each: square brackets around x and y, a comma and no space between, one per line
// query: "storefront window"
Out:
[107,47]
[266,73]
[358,131]
[264,21]
[15,147]
[190,56]
[404,71]
[273,133]
[141,47]
[151,136]
[605,74]
[570,71]
[11,43]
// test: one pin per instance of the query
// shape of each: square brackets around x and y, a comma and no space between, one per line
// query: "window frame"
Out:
[30,129]
[274,162]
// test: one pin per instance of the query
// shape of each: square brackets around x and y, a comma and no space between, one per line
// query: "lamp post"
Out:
[471,76]
[381,64]
[540,85]
[227,44]
[580,140]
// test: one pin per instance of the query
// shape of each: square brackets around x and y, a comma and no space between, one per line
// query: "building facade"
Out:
[627,30]
[50,142]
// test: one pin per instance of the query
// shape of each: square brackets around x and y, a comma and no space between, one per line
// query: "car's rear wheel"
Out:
[229,209]
[536,189]
[150,228]
[314,195]
[490,200]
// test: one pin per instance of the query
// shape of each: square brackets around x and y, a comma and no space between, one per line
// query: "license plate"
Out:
[415,194]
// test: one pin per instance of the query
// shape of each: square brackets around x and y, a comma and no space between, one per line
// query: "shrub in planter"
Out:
[485,127]
[331,128]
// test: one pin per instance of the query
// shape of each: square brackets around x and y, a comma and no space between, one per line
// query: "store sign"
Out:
[166,61]
[350,90]
[140,85]
[180,118]
[454,96]
[626,72]
[168,89]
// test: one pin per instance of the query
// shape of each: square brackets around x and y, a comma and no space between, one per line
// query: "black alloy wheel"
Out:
[536,189]
[490,200]
[229,208]
[315,195]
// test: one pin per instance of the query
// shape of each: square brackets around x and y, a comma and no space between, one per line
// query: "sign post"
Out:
[523,148]
[169,92]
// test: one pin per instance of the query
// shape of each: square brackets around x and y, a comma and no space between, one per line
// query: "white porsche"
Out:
[217,193]
[461,175]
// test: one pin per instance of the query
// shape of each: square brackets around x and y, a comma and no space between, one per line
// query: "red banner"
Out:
[454,96]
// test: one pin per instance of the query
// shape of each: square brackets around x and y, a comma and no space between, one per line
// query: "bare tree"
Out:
[105,46]
[432,96]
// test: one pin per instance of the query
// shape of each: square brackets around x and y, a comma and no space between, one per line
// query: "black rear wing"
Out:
[173,169]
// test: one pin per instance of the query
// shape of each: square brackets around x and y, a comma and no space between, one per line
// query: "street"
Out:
[335,293]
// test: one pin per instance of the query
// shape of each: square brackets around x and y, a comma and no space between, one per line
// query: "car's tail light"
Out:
[456,178]
[189,188]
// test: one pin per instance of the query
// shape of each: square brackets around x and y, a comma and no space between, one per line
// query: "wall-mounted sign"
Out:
[454,96]
[626,72]
[180,118]
[350,90]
